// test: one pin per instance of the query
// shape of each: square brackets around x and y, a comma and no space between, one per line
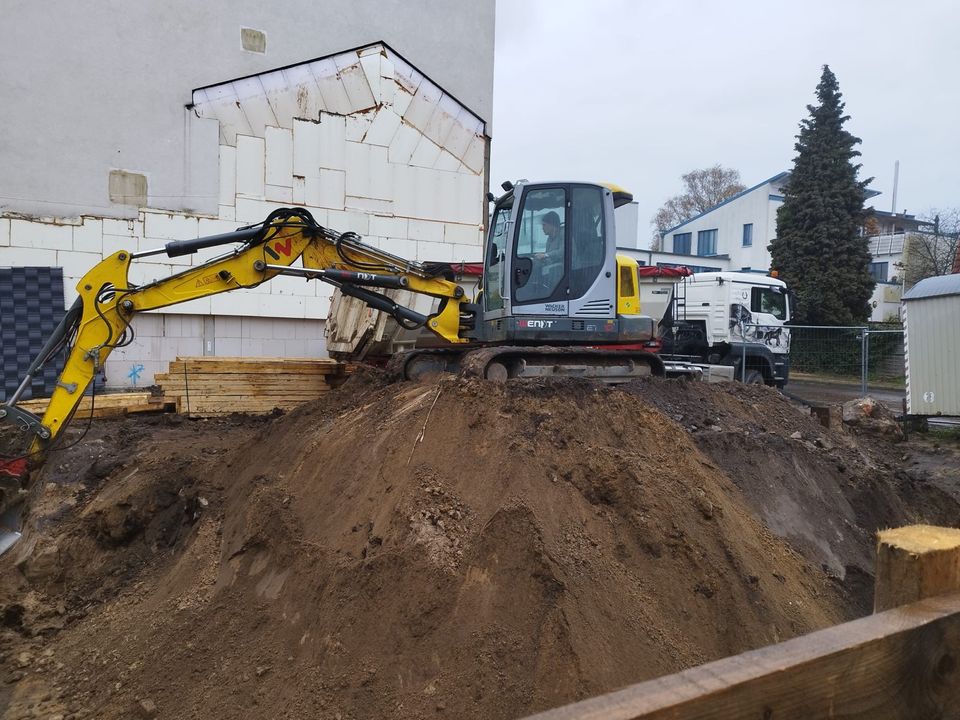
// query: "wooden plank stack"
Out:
[208,386]
[107,404]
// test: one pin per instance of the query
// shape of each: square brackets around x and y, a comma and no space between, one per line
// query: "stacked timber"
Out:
[107,404]
[208,386]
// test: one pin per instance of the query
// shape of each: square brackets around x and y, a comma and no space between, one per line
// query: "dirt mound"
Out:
[449,550]
[824,490]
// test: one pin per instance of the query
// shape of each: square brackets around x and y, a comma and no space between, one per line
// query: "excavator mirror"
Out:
[494,257]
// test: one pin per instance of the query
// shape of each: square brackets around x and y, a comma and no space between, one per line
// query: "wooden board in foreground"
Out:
[915,562]
[899,664]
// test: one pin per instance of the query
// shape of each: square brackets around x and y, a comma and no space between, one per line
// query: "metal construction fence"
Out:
[845,362]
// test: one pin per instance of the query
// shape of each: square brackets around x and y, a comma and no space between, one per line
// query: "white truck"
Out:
[732,325]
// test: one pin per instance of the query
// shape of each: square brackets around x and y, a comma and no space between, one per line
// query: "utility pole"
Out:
[896,178]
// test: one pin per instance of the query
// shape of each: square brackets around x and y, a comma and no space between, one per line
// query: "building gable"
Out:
[779,179]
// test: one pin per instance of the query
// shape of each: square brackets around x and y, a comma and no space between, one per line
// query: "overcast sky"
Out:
[638,93]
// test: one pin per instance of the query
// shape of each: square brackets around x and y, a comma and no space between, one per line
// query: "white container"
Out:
[931,344]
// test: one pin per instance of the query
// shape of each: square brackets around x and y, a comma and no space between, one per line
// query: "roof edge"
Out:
[728,200]
[356,49]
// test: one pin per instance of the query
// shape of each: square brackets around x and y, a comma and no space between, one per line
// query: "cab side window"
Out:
[769,302]
[587,246]
[493,275]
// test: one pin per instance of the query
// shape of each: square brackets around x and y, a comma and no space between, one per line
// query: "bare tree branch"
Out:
[934,252]
[702,190]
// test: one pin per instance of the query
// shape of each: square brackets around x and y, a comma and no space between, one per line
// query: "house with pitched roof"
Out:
[735,234]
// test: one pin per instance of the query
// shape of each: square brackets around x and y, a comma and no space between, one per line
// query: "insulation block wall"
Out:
[361,139]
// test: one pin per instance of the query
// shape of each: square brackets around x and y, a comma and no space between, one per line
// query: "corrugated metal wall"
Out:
[932,343]
[31,305]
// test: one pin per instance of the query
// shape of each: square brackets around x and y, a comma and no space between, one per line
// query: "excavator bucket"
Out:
[12,473]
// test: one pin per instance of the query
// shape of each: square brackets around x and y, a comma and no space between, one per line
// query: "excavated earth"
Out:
[456,549]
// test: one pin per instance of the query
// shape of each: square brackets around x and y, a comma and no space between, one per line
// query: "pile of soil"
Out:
[454,549]
[826,491]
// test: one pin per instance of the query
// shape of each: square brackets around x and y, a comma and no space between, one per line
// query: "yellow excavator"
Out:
[555,298]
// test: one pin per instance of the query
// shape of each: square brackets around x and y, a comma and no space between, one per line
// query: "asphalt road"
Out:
[817,391]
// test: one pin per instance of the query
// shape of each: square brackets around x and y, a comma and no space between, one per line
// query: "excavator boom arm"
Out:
[99,320]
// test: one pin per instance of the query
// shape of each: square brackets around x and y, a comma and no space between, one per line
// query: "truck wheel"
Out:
[754,377]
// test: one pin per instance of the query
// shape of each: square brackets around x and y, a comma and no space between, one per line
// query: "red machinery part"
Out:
[665,272]
[17,467]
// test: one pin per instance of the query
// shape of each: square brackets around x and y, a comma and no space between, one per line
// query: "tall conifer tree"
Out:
[819,250]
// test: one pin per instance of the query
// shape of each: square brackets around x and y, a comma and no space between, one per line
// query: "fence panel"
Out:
[833,364]
[886,360]
[827,352]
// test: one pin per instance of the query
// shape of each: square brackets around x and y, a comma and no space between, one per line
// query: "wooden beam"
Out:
[902,663]
[107,404]
[268,360]
[293,366]
[268,386]
[915,562]
[177,368]
[247,400]
[219,385]
[278,377]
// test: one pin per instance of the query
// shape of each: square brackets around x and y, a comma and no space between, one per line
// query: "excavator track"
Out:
[418,364]
[612,366]
[504,362]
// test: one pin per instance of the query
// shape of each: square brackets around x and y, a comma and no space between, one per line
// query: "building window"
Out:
[681,243]
[878,271]
[707,242]
[747,234]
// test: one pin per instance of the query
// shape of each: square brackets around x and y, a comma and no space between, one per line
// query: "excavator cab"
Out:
[551,268]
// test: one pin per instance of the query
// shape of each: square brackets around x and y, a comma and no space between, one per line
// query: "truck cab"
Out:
[730,319]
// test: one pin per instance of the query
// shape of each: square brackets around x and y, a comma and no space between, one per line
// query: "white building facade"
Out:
[374,117]
[735,235]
